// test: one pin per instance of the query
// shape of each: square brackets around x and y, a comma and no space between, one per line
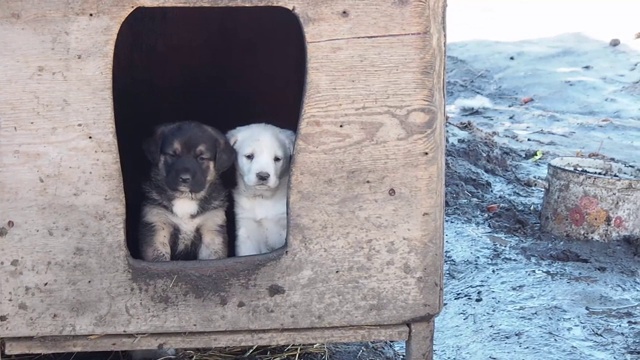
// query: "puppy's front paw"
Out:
[247,248]
[211,254]
[156,255]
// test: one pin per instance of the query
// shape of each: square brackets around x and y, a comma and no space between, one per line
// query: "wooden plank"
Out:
[420,343]
[330,20]
[367,187]
[437,19]
[323,20]
[58,344]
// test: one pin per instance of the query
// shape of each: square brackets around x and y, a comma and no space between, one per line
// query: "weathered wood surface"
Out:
[420,343]
[366,206]
[204,340]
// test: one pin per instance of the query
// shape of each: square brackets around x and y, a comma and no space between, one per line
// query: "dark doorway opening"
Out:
[222,66]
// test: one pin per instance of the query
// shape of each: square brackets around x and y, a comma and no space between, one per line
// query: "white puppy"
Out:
[260,197]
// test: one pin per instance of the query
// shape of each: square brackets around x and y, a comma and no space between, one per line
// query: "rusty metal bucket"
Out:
[591,199]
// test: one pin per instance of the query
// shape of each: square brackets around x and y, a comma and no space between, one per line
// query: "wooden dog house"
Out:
[362,82]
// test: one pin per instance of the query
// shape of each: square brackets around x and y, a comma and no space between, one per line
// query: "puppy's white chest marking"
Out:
[185,208]
[262,224]
[265,210]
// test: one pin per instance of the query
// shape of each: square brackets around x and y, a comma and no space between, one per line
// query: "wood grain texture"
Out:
[203,340]
[366,201]
[420,343]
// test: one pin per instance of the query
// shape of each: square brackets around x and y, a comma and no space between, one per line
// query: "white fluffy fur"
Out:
[261,207]
[185,208]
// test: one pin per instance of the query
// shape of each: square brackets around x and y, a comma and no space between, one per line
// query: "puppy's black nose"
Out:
[263,176]
[185,178]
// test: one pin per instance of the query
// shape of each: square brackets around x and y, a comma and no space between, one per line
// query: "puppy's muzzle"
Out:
[184,179]
[263,176]
[185,175]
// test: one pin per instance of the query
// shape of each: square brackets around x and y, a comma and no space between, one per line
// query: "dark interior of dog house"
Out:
[222,66]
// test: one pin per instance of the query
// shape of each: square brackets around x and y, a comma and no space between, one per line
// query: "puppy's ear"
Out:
[225,153]
[289,138]
[225,156]
[232,136]
[151,146]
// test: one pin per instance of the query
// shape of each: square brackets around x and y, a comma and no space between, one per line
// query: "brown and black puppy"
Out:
[183,215]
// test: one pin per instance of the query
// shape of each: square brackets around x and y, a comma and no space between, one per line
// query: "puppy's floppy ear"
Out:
[225,156]
[233,135]
[151,146]
[289,138]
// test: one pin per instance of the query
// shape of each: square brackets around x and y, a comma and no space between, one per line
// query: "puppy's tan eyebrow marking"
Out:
[201,150]
[176,147]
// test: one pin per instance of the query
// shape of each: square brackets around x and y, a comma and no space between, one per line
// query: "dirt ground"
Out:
[515,90]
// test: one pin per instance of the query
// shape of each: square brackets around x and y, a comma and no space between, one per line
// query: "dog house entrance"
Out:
[222,66]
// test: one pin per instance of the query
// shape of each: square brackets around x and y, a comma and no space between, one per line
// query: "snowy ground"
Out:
[509,292]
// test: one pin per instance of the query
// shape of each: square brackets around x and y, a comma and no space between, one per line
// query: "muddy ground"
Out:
[511,291]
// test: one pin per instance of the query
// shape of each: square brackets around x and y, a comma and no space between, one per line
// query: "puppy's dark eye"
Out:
[249,156]
[203,158]
[277,159]
[169,155]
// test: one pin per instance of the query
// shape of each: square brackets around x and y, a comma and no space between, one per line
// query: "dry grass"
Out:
[290,352]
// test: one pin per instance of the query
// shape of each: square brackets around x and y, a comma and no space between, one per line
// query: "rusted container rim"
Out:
[597,169]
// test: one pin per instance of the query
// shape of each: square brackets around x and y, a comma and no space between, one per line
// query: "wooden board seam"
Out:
[51,344]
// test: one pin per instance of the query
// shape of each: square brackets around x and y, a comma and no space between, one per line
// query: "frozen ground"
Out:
[511,293]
